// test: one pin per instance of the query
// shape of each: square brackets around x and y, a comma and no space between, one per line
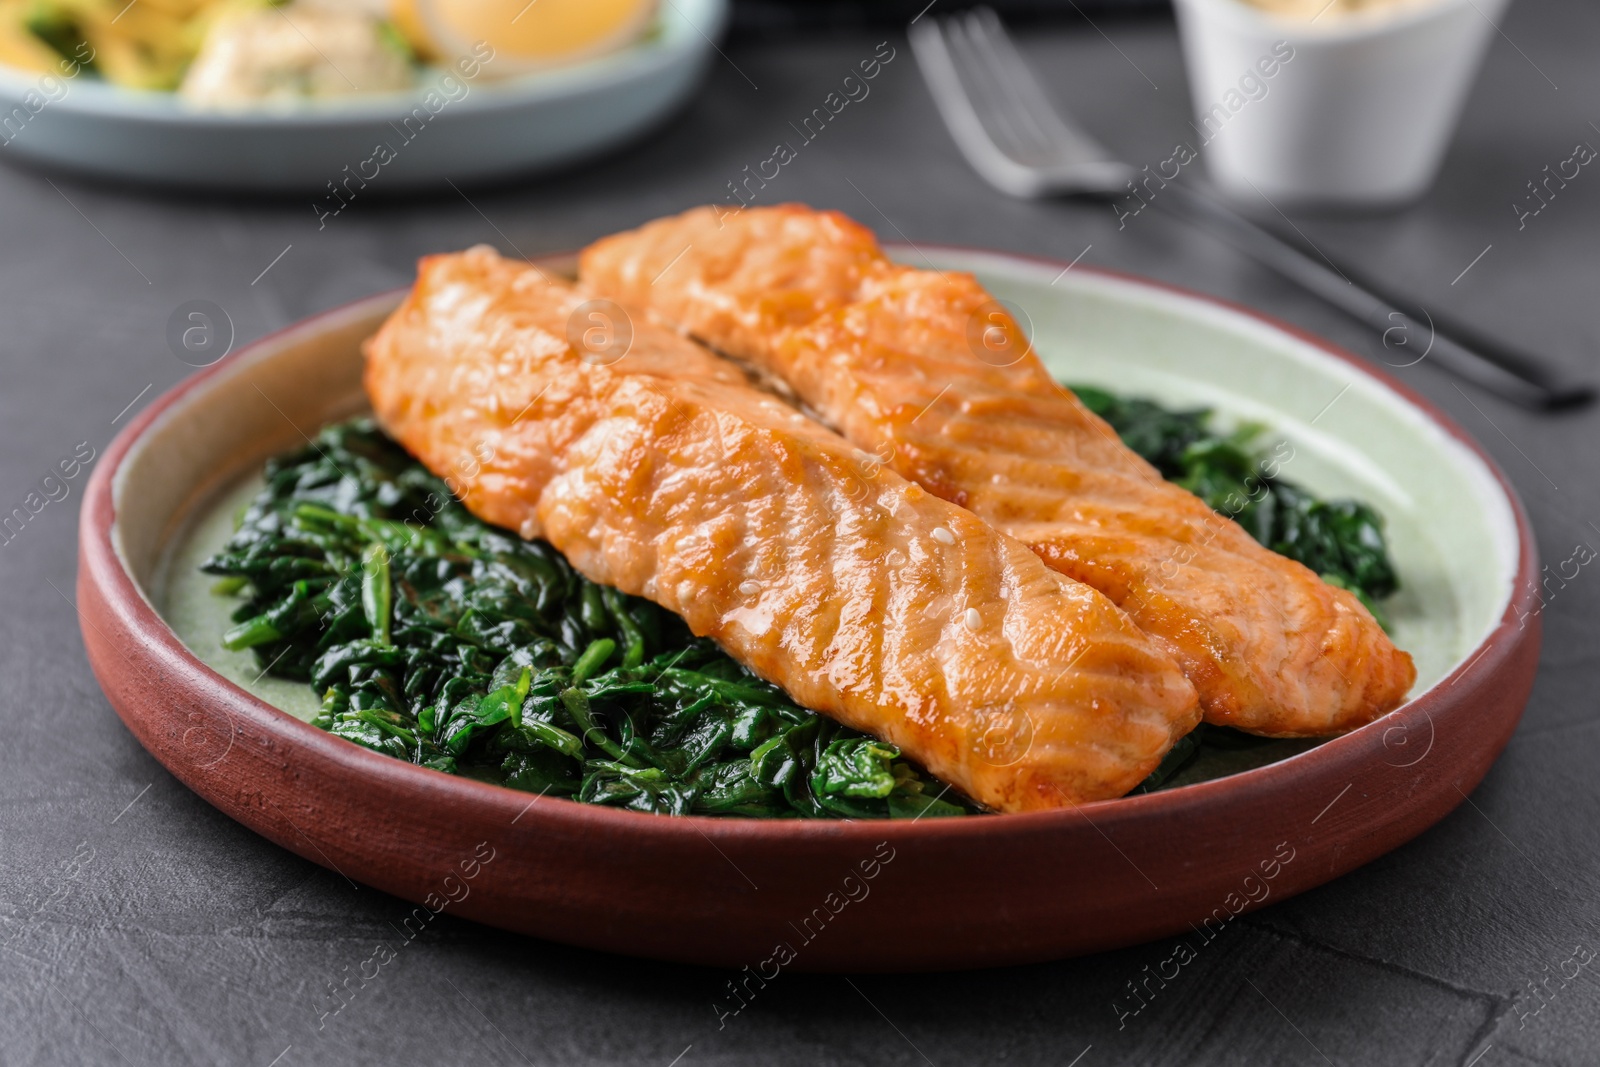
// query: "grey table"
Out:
[139,926]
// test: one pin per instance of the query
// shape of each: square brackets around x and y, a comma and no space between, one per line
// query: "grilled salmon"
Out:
[663,472]
[927,371]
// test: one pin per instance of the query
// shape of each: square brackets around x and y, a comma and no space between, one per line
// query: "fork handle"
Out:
[1478,359]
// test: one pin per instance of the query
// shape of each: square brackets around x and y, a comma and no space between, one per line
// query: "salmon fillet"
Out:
[866,598]
[927,371]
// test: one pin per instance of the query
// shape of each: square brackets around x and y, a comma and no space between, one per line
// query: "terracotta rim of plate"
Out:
[106,585]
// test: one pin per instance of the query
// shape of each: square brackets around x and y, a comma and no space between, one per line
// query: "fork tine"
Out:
[1009,127]
[1022,86]
[1006,128]
[962,102]
[994,45]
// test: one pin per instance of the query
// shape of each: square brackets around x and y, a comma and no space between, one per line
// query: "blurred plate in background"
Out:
[479,129]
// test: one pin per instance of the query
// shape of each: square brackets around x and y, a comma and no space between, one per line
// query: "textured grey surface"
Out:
[139,926]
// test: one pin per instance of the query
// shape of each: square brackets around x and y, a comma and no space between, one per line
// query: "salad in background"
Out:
[230,53]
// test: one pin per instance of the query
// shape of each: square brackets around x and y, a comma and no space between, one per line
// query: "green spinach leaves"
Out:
[439,639]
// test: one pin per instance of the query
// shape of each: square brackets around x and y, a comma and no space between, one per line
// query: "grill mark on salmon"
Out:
[924,367]
[667,475]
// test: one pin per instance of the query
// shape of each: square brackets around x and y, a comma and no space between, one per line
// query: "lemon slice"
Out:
[525,34]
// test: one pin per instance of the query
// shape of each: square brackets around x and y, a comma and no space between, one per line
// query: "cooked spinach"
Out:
[439,639]
[1342,540]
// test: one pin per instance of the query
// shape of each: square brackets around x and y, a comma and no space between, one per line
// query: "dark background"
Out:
[177,937]
[757,18]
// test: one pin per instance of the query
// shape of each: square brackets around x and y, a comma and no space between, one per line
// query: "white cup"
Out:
[1358,115]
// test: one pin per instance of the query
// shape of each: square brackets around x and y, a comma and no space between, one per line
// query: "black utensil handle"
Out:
[1407,337]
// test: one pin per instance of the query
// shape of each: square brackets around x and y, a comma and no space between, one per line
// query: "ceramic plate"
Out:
[819,895]
[482,128]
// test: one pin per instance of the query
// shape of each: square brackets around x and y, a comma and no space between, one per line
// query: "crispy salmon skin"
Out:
[926,370]
[663,473]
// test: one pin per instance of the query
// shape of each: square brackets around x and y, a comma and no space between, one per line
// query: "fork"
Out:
[1022,144]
